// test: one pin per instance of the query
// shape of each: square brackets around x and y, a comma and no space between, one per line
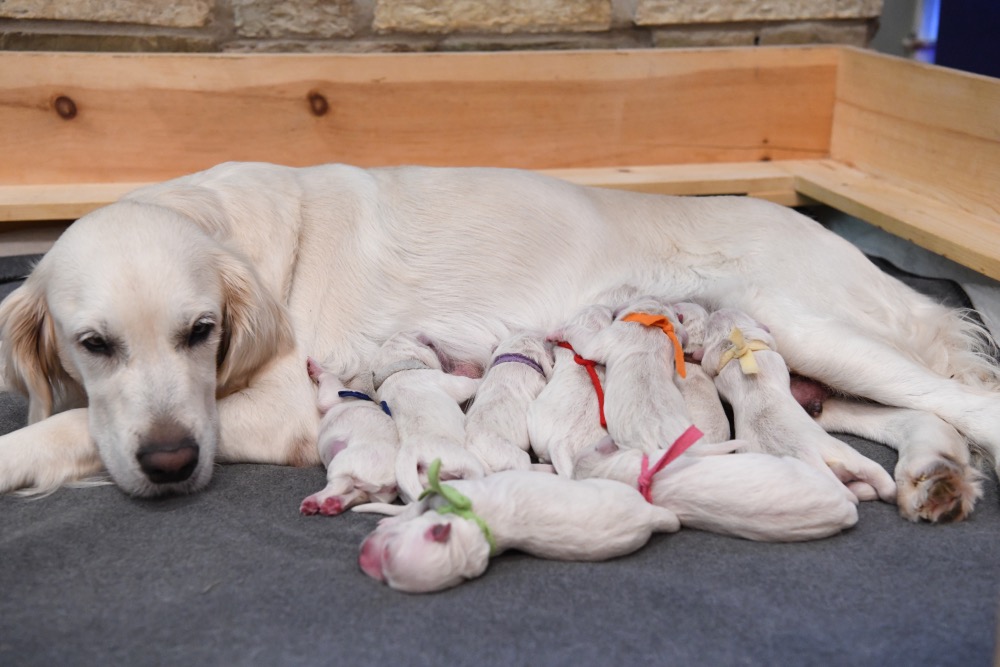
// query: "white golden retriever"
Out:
[169,330]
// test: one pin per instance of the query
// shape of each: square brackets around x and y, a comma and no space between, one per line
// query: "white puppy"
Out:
[496,424]
[644,408]
[754,378]
[751,495]
[568,414]
[700,395]
[421,550]
[424,401]
[357,443]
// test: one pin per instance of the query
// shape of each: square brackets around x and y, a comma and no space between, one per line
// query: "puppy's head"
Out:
[140,316]
[717,335]
[430,552]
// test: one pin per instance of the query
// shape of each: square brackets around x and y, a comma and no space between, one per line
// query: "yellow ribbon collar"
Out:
[743,351]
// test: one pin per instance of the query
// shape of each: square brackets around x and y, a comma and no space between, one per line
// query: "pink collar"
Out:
[681,444]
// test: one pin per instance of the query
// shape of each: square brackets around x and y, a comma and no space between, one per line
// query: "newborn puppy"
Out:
[644,408]
[422,550]
[752,495]
[754,378]
[424,401]
[496,424]
[698,390]
[568,413]
[357,443]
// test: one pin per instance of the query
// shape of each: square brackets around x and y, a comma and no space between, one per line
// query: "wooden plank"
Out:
[767,180]
[149,117]
[935,128]
[906,210]
[57,201]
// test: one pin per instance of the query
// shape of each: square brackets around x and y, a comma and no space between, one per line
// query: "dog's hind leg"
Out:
[934,478]
[856,365]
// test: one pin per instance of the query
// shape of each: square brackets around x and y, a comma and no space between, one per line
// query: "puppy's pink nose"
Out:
[164,463]
[370,560]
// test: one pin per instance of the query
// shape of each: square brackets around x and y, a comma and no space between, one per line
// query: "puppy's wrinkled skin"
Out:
[751,495]
[496,424]
[358,443]
[425,404]
[644,407]
[420,550]
[566,416]
[701,398]
[769,418]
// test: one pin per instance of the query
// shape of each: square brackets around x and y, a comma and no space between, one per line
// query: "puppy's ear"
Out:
[31,363]
[439,532]
[255,326]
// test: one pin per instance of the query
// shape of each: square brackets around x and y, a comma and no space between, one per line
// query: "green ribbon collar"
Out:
[454,502]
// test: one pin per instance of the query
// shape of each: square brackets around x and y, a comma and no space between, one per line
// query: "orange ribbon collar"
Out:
[664,324]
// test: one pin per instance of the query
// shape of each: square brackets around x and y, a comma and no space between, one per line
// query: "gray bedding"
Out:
[235,576]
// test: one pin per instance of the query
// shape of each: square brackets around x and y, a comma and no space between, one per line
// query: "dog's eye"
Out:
[200,332]
[96,344]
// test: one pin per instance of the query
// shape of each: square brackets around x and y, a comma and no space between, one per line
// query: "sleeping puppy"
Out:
[422,550]
[424,401]
[568,413]
[751,495]
[698,390]
[357,443]
[644,408]
[496,424]
[754,378]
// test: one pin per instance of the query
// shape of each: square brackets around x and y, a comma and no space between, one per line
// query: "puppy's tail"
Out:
[408,474]
[388,509]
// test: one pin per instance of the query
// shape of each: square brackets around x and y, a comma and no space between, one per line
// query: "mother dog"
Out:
[170,329]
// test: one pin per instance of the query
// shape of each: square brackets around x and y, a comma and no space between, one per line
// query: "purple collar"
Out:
[519,358]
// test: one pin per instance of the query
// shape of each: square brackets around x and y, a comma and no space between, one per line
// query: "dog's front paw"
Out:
[940,491]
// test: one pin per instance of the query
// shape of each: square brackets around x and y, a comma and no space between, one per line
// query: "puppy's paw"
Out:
[317,504]
[940,491]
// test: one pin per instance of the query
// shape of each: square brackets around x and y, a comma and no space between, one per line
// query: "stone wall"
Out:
[426,25]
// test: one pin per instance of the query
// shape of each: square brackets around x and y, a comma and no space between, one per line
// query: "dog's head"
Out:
[430,552]
[141,316]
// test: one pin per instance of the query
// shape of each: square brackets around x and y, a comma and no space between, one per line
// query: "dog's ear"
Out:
[31,363]
[255,326]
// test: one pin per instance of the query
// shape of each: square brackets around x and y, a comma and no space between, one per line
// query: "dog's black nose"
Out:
[164,463]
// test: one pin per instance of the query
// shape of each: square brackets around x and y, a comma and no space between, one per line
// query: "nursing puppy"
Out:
[425,404]
[567,415]
[754,378]
[701,398]
[496,424]
[643,406]
[421,550]
[751,495]
[357,443]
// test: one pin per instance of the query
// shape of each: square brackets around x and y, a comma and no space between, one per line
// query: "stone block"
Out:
[492,16]
[673,12]
[168,13]
[293,18]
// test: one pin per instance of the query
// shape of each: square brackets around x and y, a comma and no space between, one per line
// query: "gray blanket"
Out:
[235,576]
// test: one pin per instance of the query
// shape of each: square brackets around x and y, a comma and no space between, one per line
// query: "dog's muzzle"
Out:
[168,462]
